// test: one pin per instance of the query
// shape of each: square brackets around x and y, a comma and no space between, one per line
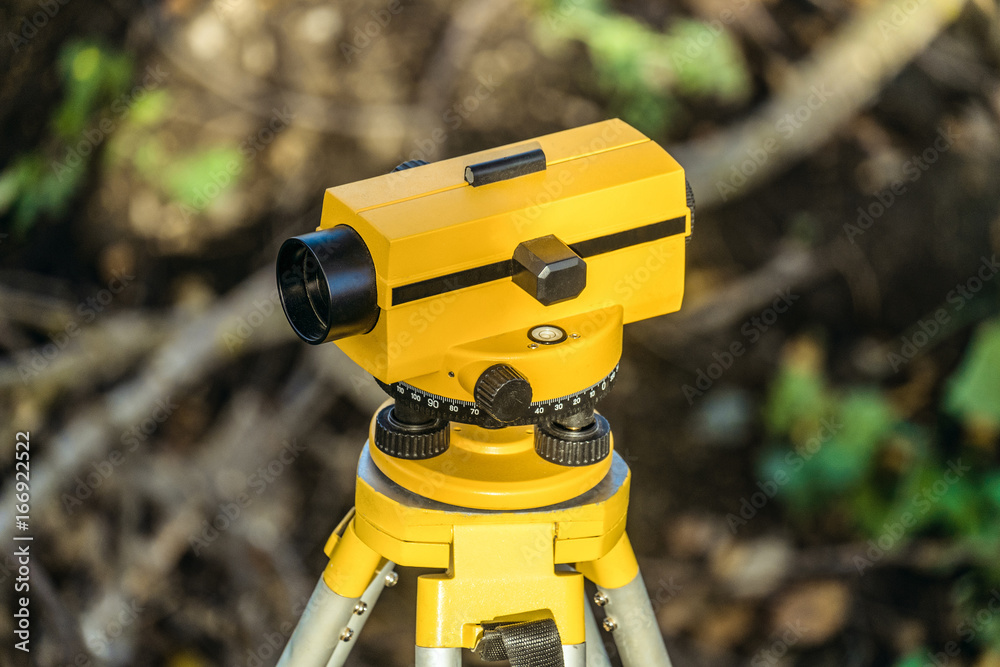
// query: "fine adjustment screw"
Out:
[503,393]
[347,633]
[600,599]
[391,579]
[610,624]
[360,608]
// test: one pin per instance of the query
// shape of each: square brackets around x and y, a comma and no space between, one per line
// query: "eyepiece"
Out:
[326,281]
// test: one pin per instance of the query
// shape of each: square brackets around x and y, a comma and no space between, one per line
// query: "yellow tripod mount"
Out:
[495,561]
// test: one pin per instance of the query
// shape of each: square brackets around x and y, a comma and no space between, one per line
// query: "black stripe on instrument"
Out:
[505,269]
[629,238]
[452,282]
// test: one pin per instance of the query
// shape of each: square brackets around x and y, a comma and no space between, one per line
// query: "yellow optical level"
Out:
[432,273]
[487,295]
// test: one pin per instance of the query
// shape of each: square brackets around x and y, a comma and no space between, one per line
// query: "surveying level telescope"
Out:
[431,275]
[487,295]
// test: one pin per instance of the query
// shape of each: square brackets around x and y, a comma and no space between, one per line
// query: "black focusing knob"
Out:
[574,447]
[503,393]
[410,441]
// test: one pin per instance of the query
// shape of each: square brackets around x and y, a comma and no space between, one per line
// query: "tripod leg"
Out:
[574,655]
[597,655]
[628,612]
[438,657]
[319,629]
[362,610]
[325,619]
[636,632]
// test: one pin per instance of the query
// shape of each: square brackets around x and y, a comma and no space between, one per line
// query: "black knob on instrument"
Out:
[565,446]
[404,440]
[503,393]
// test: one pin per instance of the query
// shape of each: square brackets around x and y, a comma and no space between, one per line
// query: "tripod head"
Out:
[483,289]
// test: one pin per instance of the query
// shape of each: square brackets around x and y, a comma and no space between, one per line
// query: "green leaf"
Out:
[914,659]
[973,392]
[641,69]
[11,182]
[196,180]
[865,418]
[151,109]
[92,77]
[991,489]
[797,393]
[708,62]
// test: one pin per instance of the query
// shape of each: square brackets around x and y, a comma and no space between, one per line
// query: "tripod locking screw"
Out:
[503,393]
[391,579]
[360,608]
[600,599]
[610,624]
[347,633]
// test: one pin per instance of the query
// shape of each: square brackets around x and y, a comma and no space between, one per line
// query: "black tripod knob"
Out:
[503,393]
[404,439]
[575,447]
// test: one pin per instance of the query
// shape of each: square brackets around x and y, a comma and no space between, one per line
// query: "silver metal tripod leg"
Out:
[325,617]
[362,610]
[597,655]
[636,632]
[574,655]
[438,657]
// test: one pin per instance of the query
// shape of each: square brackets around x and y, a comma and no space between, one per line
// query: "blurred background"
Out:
[813,437]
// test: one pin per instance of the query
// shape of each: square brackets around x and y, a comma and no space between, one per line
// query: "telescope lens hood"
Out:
[326,281]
